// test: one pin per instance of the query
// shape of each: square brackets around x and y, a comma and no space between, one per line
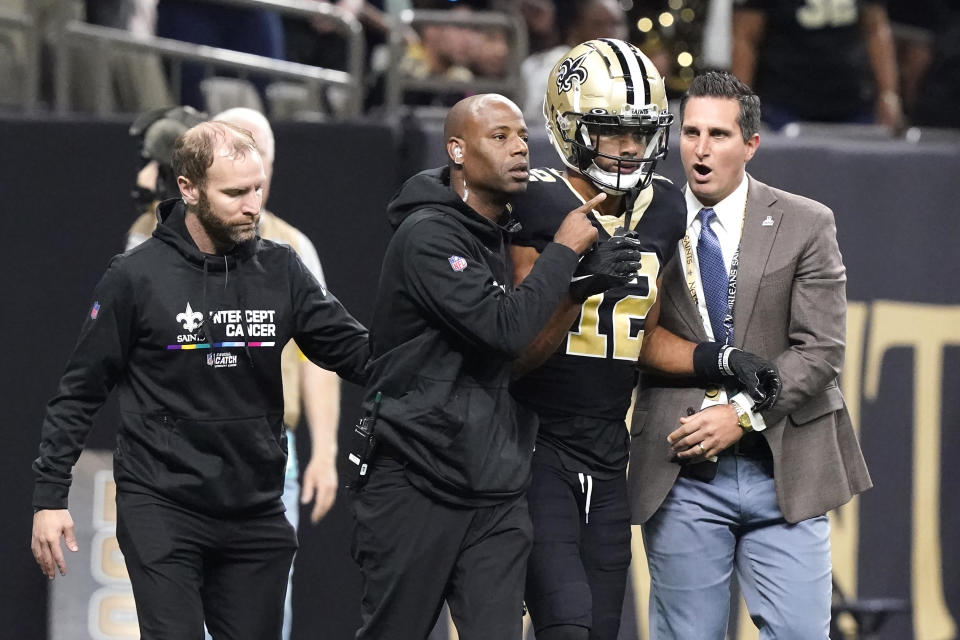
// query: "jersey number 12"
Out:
[617,339]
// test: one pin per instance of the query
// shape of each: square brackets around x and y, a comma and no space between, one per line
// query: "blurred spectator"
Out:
[940,89]
[811,62]
[540,17]
[457,53]
[248,30]
[490,52]
[915,24]
[440,50]
[48,16]
[576,22]
[316,43]
[681,37]
[137,79]
[717,35]
[13,56]
[453,52]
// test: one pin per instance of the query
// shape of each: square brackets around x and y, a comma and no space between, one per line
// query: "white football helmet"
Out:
[607,87]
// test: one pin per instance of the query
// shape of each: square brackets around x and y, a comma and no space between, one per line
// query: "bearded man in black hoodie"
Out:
[443,514]
[189,326]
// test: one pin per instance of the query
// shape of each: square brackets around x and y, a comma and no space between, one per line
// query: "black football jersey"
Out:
[583,391]
[813,59]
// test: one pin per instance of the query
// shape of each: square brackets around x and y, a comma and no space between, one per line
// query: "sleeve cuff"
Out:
[564,254]
[49,496]
[746,402]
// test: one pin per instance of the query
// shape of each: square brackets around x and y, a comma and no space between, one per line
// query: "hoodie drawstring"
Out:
[203,307]
[241,300]
[586,486]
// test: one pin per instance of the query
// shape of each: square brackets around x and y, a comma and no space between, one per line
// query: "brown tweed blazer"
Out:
[790,308]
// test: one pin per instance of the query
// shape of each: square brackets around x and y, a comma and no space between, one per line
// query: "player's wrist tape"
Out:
[711,360]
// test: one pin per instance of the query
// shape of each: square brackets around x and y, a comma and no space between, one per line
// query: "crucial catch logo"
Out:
[221,360]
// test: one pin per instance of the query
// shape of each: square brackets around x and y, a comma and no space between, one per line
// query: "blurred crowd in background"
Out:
[893,63]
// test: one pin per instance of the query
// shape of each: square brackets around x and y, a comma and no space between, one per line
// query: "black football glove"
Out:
[758,377]
[610,264]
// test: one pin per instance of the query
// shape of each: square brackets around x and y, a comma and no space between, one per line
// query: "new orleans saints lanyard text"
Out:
[731,280]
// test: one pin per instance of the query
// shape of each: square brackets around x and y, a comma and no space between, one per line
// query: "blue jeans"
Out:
[704,530]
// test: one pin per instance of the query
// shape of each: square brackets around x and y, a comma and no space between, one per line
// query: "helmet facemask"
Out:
[650,134]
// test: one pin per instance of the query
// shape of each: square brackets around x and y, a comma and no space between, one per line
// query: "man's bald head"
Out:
[486,140]
[466,113]
[254,122]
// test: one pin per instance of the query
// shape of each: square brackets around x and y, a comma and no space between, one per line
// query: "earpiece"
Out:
[457,152]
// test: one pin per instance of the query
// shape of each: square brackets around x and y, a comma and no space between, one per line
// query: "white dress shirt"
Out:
[727,225]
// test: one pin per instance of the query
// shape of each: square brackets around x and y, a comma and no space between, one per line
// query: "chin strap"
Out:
[602,179]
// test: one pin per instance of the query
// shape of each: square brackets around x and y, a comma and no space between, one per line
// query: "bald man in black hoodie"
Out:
[443,516]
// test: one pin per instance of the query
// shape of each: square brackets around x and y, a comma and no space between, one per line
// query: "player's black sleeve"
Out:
[539,216]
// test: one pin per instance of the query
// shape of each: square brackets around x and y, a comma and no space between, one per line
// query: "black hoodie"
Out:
[193,342]
[447,325]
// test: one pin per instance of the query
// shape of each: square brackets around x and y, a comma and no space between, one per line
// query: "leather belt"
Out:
[751,445]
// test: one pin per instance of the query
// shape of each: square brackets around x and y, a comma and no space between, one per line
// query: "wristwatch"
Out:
[743,418]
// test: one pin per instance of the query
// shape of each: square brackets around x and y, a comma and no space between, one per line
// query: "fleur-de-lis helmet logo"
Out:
[190,319]
[568,70]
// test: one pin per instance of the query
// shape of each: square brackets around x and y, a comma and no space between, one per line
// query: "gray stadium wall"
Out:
[66,207]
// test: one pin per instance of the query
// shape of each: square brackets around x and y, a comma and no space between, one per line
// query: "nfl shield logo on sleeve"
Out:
[457,263]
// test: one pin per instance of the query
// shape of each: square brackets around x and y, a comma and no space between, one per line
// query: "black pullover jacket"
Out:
[448,323]
[192,342]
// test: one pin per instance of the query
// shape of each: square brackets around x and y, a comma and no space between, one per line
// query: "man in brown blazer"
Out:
[717,482]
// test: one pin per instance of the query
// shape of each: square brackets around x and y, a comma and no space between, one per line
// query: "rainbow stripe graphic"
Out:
[217,345]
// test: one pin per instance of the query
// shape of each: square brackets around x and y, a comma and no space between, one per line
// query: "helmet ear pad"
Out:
[576,139]
[583,156]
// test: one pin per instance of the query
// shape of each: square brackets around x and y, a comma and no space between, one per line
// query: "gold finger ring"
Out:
[703,450]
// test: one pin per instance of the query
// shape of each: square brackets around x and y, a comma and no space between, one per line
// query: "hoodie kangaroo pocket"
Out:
[225,466]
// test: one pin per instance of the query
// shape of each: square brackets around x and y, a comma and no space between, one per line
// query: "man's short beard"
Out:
[224,236]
